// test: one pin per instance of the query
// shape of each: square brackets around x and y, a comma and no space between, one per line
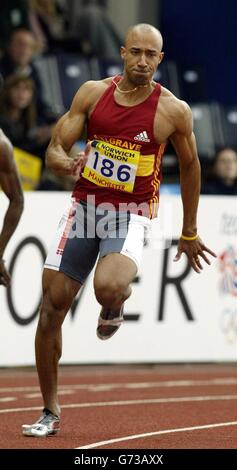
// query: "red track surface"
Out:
[173,407]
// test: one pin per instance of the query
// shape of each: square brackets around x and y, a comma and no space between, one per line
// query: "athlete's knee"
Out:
[109,292]
[52,314]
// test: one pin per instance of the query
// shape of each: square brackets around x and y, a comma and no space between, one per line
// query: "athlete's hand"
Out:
[79,162]
[194,249]
[4,275]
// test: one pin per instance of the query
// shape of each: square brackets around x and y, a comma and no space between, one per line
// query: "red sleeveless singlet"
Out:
[125,166]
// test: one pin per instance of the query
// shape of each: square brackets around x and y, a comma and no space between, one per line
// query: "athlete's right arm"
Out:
[67,131]
[11,186]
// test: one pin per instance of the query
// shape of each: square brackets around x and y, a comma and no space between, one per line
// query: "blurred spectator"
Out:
[14,14]
[223,176]
[95,31]
[19,119]
[18,60]
[48,23]
[81,27]
[19,54]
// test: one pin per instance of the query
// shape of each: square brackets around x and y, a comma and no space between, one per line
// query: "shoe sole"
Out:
[30,432]
[120,320]
[104,337]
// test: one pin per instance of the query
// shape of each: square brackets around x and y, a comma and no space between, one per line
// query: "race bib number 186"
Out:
[111,166]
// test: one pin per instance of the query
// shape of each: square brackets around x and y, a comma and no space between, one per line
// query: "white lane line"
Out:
[38,394]
[149,401]
[133,385]
[4,399]
[157,433]
[184,383]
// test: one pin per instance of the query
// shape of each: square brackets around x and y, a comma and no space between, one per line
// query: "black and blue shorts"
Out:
[86,231]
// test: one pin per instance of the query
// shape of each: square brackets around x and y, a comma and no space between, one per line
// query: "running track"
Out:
[126,407]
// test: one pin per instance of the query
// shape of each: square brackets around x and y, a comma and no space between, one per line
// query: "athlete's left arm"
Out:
[184,143]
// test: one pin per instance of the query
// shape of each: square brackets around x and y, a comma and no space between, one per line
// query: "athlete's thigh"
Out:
[116,268]
[121,251]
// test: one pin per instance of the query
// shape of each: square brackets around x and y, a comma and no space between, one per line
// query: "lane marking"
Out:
[130,402]
[4,399]
[132,385]
[156,433]
[38,394]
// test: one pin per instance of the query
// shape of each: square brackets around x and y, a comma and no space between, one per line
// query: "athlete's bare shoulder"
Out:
[95,85]
[178,110]
[90,92]
[174,104]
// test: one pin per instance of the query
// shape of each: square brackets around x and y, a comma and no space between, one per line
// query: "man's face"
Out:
[141,56]
[226,165]
[21,48]
[21,95]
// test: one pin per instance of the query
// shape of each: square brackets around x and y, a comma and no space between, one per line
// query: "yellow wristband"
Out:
[189,239]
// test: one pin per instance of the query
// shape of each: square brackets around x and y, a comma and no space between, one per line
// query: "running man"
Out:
[129,120]
[11,186]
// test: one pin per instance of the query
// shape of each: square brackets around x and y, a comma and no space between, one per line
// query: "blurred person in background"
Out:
[223,175]
[18,60]
[95,31]
[18,55]
[129,120]
[19,119]
[27,130]
[14,15]
[47,20]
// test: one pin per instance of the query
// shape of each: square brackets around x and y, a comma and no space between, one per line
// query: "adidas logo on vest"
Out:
[142,137]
